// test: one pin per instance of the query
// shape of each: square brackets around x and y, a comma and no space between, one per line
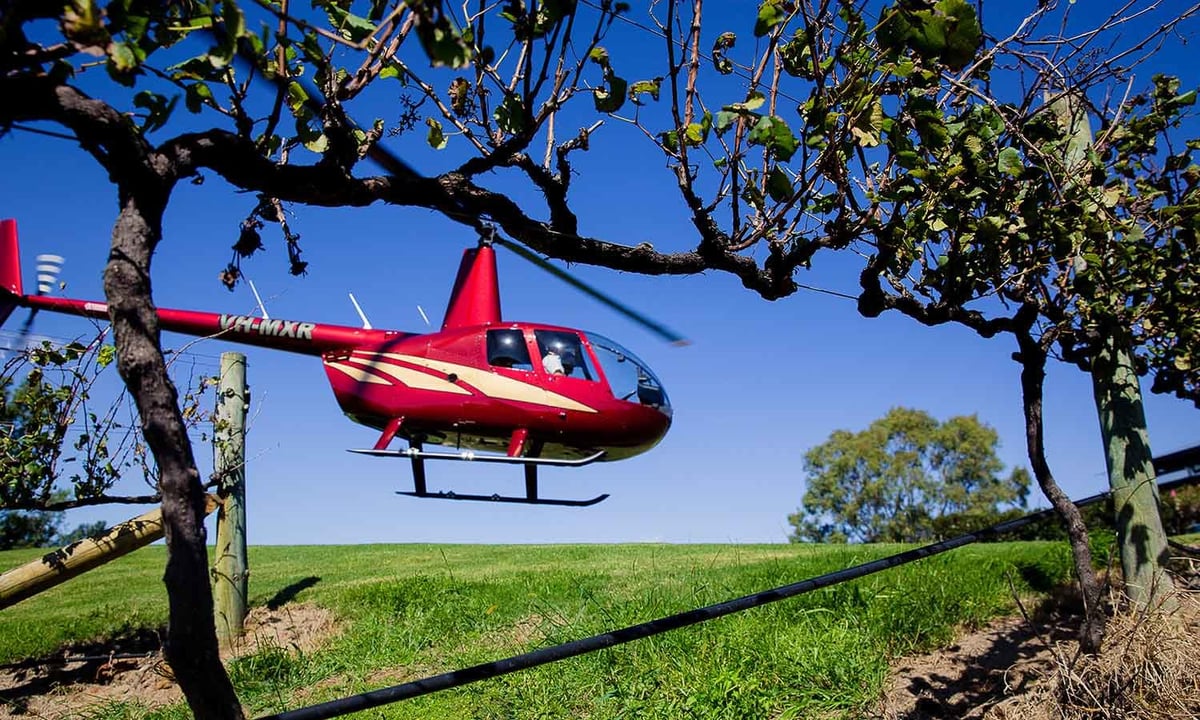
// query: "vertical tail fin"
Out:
[475,299]
[10,269]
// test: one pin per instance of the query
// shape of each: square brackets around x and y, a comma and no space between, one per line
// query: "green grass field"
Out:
[408,611]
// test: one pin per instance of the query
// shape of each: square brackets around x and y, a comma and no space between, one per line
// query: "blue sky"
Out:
[761,383]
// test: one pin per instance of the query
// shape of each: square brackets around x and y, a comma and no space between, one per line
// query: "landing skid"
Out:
[531,464]
[469,456]
[507,499]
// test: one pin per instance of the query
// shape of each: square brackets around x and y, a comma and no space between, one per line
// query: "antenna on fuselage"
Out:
[361,314]
[258,298]
[424,316]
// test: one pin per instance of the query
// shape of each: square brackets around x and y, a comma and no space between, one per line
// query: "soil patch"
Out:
[981,670]
[131,669]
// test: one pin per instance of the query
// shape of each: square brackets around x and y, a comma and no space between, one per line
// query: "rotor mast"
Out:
[475,299]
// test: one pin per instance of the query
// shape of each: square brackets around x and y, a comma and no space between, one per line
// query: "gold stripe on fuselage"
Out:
[489,383]
[410,377]
[358,373]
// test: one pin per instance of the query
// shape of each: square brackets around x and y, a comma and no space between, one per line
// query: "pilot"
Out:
[552,362]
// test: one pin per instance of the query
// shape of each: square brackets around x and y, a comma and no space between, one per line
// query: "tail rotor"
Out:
[11,291]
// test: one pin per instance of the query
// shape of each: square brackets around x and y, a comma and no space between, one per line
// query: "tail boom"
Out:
[291,335]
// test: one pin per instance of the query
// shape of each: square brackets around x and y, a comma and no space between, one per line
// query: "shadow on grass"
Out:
[289,593]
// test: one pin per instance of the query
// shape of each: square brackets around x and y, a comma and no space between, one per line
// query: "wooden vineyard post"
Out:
[231,570]
[79,557]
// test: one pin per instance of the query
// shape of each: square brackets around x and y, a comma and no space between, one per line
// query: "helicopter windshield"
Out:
[629,377]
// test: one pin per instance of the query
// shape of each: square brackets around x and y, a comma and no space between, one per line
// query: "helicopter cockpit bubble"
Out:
[629,377]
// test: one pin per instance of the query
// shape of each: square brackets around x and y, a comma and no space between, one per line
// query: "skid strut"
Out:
[531,464]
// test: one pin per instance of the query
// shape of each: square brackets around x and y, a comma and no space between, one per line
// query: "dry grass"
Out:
[1147,669]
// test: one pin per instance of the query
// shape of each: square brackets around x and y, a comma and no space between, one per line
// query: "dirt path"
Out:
[981,670]
[56,690]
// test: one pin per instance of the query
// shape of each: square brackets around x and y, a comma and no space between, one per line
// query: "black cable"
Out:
[457,678]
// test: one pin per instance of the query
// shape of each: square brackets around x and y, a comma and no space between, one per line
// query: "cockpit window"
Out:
[629,378]
[563,354]
[507,349]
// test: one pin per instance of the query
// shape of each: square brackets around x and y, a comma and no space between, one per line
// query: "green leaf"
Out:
[443,44]
[779,185]
[436,138]
[753,102]
[82,23]
[1009,162]
[770,14]
[725,119]
[513,11]
[948,33]
[608,99]
[721,63]
[773,133]
[123,57]
[963,34]
[297,96]
[643,87]
[350,26]
[319,144]
[796,56]
[158,108]
[197,95]
[510,115]
[611,99]
[695,134]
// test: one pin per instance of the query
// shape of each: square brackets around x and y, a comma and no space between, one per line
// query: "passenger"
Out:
[552,362]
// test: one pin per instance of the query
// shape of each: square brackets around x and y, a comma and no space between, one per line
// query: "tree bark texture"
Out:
[1033,376]
[191,642]
[1140,536]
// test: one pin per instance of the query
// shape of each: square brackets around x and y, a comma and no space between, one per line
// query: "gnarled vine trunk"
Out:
[1033,376]
[191,643]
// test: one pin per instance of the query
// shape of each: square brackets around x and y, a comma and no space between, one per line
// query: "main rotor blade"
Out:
[655,327]
[393,164]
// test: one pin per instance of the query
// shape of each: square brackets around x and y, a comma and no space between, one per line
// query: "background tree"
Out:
[894,480]
[28,529]
[40,528]
[62,447]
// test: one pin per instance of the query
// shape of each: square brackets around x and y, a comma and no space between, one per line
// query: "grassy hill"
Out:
[407,611]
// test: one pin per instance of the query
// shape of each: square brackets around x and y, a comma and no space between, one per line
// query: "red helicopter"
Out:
[525,393]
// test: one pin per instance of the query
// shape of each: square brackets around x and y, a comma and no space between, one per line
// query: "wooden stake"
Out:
[79,557]
[231,571]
